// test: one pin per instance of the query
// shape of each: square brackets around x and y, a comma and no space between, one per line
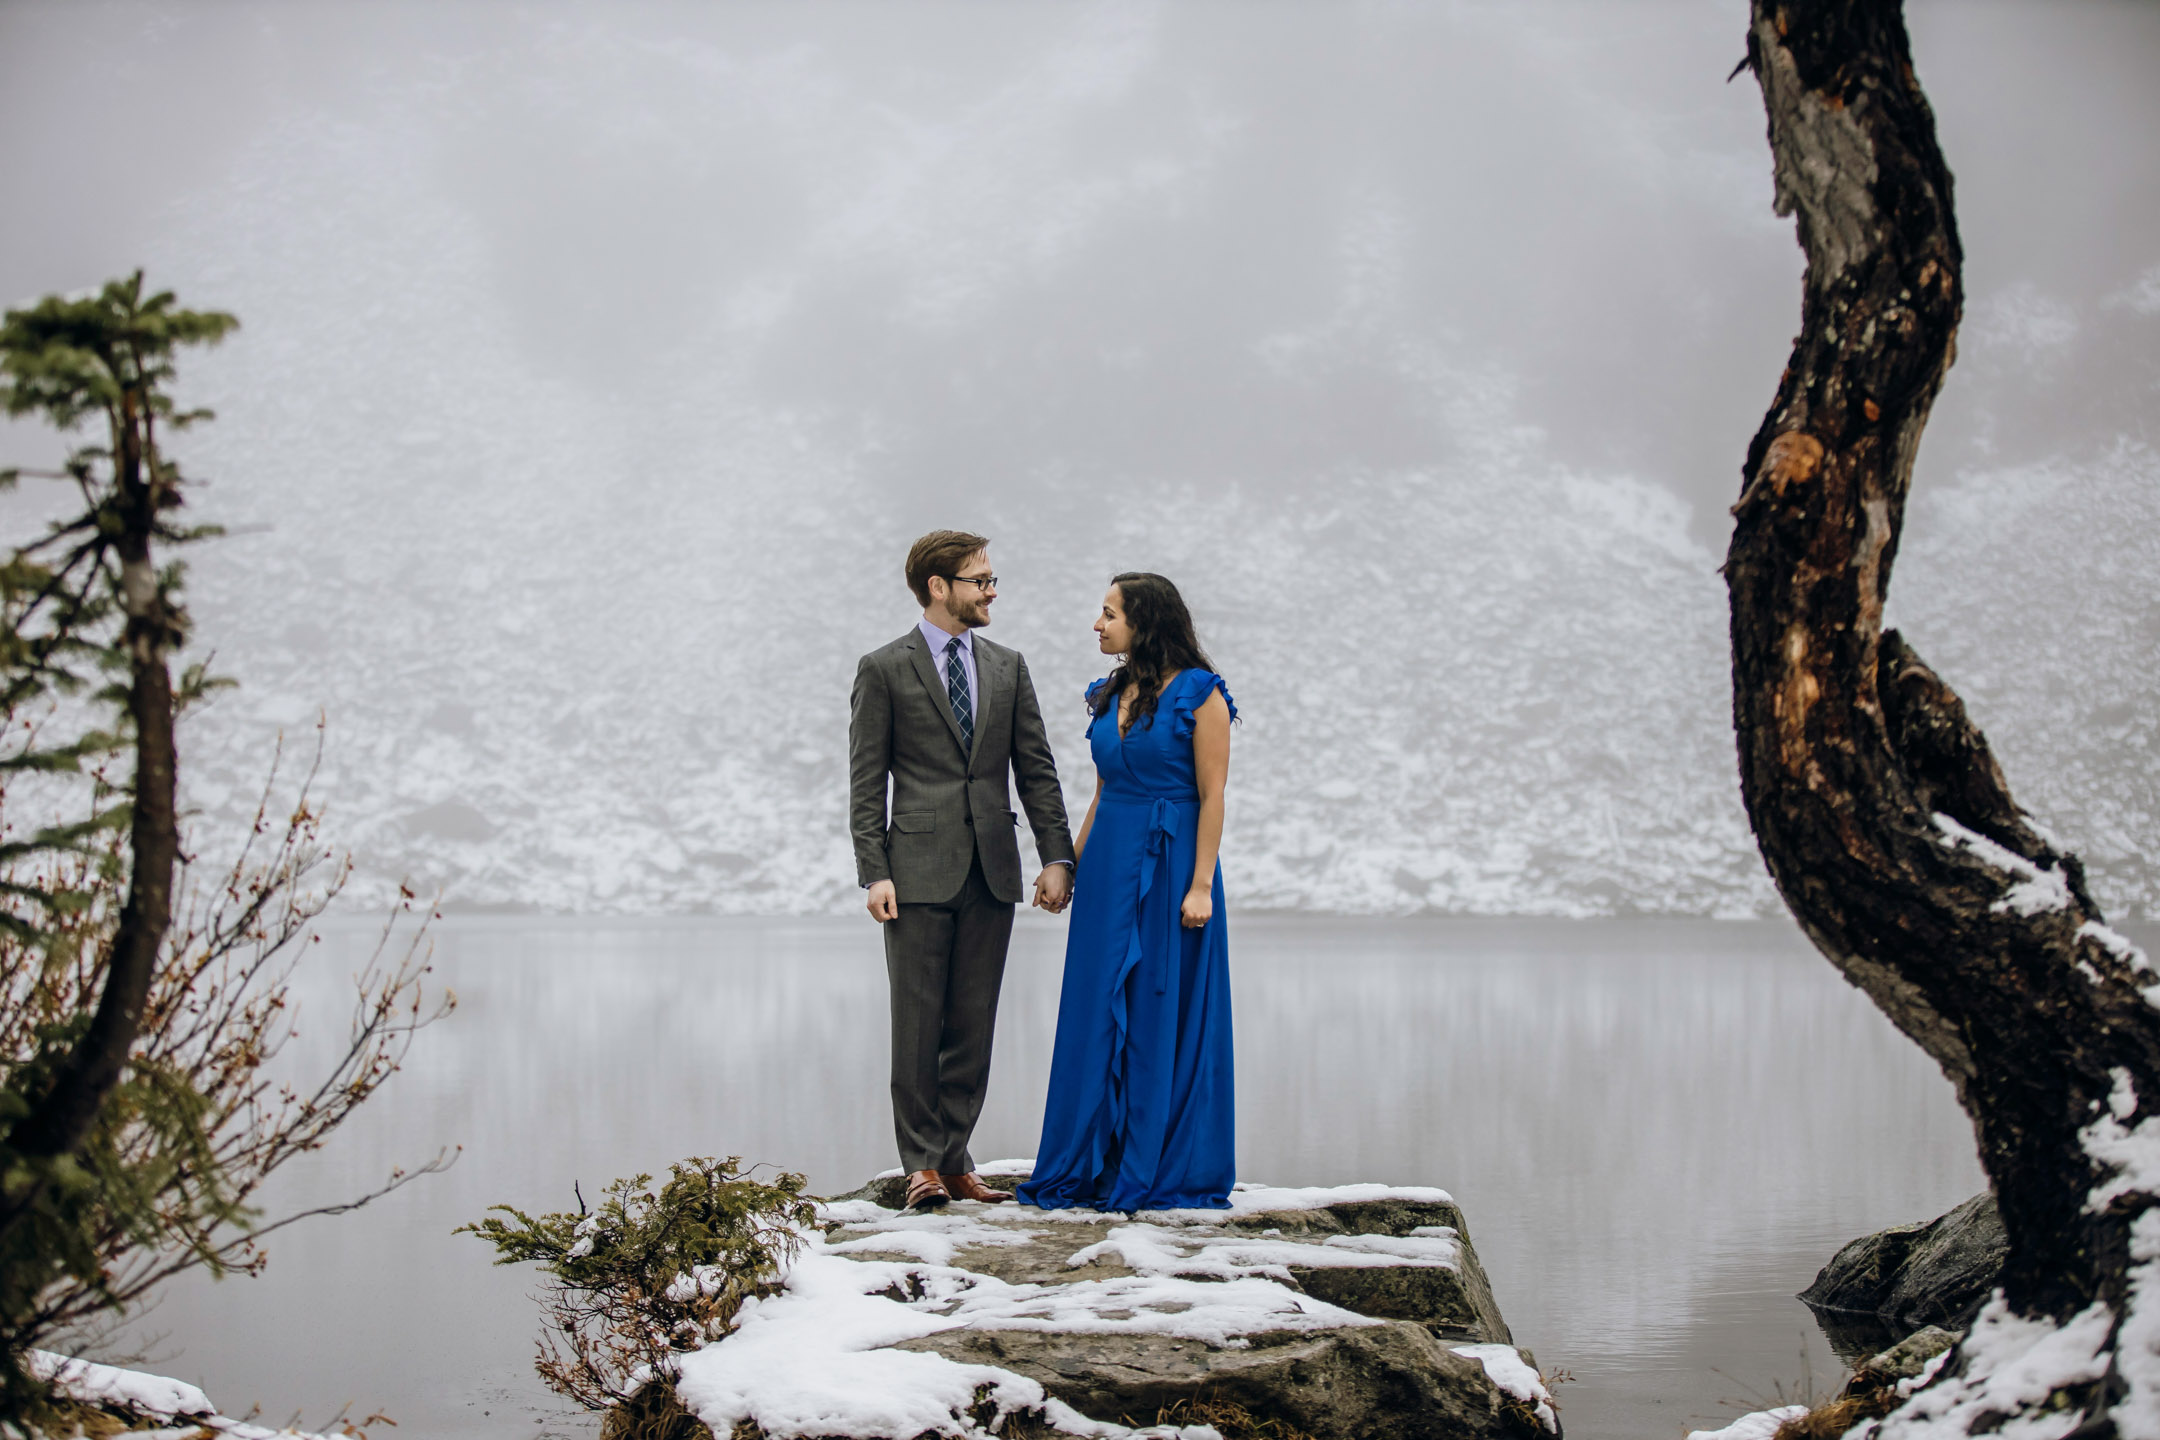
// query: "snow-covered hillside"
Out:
[583,619]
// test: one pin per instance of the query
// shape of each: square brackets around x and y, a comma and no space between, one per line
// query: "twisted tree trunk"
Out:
[1883,817]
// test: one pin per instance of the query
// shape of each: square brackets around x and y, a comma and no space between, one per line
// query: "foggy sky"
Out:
[994,238]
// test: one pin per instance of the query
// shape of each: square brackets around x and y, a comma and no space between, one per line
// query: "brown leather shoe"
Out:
[926,1191]
[971,1187]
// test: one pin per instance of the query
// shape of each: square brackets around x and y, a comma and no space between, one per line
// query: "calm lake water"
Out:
[1658,1130]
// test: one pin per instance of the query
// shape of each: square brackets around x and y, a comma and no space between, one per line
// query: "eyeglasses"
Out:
[980,582]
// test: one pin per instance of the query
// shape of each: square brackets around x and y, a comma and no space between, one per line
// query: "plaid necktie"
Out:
[956,689]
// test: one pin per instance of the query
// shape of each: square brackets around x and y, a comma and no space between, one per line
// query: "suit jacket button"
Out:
[971,819]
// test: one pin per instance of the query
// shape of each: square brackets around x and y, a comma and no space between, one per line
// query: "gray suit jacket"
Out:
[948,804]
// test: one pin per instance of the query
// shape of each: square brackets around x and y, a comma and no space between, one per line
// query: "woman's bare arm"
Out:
[1211,770]
[1080,842]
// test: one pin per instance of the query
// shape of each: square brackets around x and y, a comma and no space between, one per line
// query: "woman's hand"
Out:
[1198,909]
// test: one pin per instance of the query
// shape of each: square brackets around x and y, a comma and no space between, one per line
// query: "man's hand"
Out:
[883,901]
[1053,888]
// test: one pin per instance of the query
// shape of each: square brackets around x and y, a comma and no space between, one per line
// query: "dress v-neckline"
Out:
[1124,734]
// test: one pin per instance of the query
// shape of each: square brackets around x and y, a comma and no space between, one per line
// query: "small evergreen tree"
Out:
[652,1274]
[136,1116]
[91,603]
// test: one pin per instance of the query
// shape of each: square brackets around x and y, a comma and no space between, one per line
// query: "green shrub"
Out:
[652,1273]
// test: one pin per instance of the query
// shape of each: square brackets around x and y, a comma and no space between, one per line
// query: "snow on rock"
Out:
[1504,1365]
[89,1383]
[1760,1425]
[2012,1365]
[1223,1314]
[892,1323]
[813,1360]
[174,1407]
[1246,1199]
[933,1236]
[1158,1250]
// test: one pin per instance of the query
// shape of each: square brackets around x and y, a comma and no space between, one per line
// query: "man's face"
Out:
[968,601]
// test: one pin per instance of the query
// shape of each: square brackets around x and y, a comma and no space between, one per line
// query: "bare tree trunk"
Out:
[1882,815]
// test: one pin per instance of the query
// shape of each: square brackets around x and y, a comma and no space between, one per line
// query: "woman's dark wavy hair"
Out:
[1163,644]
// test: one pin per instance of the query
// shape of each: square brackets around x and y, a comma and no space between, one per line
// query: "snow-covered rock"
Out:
[1347,1311]
[1757,1425]
[142,1403]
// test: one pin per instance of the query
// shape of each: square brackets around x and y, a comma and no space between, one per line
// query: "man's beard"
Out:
[975,616]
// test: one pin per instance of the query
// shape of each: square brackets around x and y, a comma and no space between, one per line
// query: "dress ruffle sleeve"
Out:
[1190,693]
[1093,686]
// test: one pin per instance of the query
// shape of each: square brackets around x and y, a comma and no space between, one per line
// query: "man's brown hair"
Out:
[941,552]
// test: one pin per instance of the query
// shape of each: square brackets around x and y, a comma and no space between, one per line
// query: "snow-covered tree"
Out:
[1884,818]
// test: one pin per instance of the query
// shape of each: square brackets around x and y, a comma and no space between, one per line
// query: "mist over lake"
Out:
[599,361]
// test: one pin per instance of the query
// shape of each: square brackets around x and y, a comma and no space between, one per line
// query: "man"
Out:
[951,719]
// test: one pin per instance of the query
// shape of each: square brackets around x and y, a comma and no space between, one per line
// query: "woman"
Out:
[1140,1114]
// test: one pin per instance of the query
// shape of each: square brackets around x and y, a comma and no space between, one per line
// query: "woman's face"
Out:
[1113,631]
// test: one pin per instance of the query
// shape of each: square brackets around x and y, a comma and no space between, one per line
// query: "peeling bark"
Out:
[1879,808]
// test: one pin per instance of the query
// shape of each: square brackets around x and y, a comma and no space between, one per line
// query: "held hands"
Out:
[1053,888]
[1198,908]
[882,901]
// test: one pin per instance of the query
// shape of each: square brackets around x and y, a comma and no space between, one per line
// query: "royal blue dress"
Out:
[1141,1113]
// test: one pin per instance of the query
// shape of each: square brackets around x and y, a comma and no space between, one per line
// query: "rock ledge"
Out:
[1349,1311]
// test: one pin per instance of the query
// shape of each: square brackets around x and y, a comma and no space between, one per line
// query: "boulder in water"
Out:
[1895,1281]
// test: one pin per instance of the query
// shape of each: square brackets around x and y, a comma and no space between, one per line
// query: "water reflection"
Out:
[1658,1129]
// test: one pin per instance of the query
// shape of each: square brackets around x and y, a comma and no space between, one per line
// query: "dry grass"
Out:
[655,1413]
[1831,1421]
[1232,1419]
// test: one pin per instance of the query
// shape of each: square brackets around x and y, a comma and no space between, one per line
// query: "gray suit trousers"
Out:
[946,962]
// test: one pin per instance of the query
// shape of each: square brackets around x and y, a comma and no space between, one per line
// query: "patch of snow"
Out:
[2012,1365]
[2034,892]
[933,1237]
[2137,1342]
[1759,1425]
[1153,1250]
[1251,1199]
[1221,1313]
[1927,1373]
[811,1360]
[1007,1167]
[851,1211]
[2116,944]
[2132,1155]
[1506,1368]
[2122,1094]
[89,1383]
